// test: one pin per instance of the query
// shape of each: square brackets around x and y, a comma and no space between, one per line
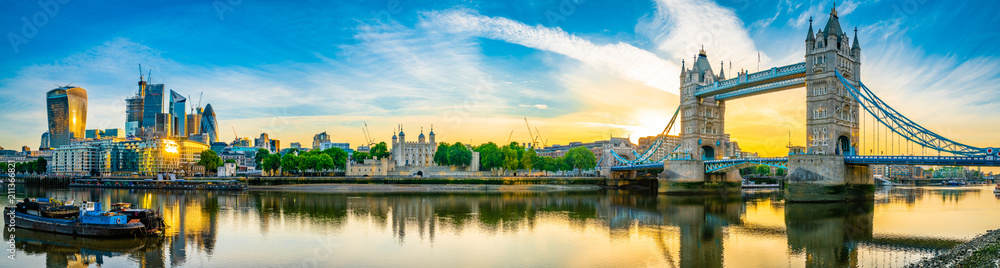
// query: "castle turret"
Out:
[432,135]
[421,137]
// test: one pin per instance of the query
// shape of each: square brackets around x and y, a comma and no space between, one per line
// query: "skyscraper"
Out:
[67,110]
[152,105]
[45,142]
[208,124]
[178,110]
[133,109]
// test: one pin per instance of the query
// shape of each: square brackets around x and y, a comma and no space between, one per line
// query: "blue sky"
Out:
[578,70]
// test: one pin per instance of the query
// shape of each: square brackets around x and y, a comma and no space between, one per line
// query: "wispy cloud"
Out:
[680,28]
[627,61]
[538,106]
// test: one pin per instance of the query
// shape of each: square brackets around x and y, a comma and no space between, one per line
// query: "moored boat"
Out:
[89,220]
[997,189]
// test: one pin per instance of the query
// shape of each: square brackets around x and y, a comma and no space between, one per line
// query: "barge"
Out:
[90,220]
[160,184]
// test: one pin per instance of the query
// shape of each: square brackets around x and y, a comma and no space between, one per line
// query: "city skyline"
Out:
[475,70]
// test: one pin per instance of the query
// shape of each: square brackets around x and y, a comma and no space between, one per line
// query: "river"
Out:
[520,229]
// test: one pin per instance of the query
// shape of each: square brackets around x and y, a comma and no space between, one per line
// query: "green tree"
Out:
[359,157]
[325,162]
[259,157]
[338,156]
[41,165]
[271,163]
[441,154]
[308,162]
[380,150]
[459,155]
[490,156]
[510,161]
[528,160]
[210,160]
[229,161]
[780,172]
[581,158]
[289,162]
[564,164]
[763,170]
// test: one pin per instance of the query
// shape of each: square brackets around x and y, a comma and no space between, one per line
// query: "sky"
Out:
[577,70]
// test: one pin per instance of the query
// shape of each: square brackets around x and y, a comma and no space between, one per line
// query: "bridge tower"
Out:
[832,125]
[832,114]
[702,119]
[702,137]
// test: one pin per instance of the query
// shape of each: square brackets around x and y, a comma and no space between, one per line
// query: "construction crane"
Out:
[534,142]
[234,134]
[545,143]
[509,136]
[368,135]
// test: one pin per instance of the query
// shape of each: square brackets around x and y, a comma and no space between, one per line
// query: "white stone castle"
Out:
[418,153]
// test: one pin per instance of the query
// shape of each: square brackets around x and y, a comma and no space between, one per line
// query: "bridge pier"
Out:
[688,177]
[826,178]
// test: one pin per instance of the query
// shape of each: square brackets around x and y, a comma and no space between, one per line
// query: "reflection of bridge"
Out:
[832,155]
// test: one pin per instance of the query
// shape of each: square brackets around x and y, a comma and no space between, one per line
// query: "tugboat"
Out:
[151,219]
[89,220]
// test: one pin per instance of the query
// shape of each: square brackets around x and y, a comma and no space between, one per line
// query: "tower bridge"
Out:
[831,168]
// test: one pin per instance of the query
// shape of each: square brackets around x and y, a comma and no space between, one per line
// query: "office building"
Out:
[152,106]
[67,114]
[208,124]
[320,138]
[45,141]
[178,114]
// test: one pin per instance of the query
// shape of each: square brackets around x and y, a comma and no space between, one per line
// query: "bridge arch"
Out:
[708,152]
[844,144]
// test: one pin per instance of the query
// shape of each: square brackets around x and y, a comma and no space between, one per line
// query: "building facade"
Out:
[413,153]
[118,157]
[67,114]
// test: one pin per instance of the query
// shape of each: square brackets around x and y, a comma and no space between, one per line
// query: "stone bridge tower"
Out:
[832,114]
[702,119]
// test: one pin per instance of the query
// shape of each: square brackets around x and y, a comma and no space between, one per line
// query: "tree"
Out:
[490,156]
[564,164]
[210,160]
[581,158]
[781,172]
[325,162]
[459,155]
[230,161]
[441,154]
[338,156]
[380,150]
[260,156]
[271,163]
[359,157]
[763,170]
[510,161]
[41,165]
[528,160]
[308,162]
[289,162]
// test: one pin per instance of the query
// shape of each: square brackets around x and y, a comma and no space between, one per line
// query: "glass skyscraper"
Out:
[152,105]
[67,111]
[208,124]
[178,110]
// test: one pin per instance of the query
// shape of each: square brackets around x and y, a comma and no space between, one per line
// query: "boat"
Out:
[90,220]
[151,219]
[49,207]
[178,184]
[997,189]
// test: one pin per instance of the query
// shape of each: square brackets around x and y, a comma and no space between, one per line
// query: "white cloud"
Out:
[629,62]
[680,28]
[539,106]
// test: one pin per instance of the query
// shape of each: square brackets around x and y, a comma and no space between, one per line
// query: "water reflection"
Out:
[272,228]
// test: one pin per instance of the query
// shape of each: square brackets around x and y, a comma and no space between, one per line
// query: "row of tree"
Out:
[512,157]
[38,166]
[762,170]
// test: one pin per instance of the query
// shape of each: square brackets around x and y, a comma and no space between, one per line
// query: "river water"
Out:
[520,229]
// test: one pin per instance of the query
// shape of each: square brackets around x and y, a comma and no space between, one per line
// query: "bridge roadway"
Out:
[714,166]
[745,85]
